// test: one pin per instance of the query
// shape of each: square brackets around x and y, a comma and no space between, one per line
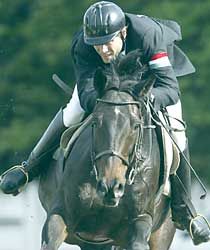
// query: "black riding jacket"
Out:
[155,38]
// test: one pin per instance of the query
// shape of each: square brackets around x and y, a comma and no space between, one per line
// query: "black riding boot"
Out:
[18,176]
[183,212]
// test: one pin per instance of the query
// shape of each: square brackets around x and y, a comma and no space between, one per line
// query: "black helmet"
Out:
[102,22]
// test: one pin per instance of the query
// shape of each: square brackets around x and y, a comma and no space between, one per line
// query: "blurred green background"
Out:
[35,38]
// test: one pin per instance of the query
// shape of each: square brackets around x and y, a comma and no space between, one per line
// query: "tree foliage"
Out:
[35,38]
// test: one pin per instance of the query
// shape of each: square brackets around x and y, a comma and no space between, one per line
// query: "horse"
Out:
[107,191]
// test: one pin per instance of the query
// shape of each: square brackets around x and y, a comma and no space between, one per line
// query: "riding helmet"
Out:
[102,22]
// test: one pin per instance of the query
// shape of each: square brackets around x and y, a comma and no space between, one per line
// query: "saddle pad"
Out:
[171,157]
[72,133]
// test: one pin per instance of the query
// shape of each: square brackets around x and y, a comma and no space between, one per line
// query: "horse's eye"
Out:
[97,120]
[94,124]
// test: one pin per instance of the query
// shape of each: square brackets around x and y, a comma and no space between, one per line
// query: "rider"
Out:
[107,33]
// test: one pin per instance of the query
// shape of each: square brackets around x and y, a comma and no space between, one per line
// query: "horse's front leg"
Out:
[140,232]
[54,232]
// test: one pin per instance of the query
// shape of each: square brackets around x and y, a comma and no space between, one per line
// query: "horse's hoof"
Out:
[44,246]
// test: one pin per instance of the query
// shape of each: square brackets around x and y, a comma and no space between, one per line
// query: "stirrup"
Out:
[192,220]
[22,169]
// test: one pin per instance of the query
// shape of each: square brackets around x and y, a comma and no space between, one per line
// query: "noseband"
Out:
[133,162]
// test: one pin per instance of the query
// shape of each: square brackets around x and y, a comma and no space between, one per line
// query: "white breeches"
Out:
[176,112]
[73,112]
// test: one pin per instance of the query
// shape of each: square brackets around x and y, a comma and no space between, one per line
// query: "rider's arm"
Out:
[84,68]
[166,89]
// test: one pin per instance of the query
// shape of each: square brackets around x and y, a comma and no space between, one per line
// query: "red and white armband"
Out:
[159,60]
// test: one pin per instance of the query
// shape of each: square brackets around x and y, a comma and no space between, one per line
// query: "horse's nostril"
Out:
[102,187]
[121,187]
[119,190]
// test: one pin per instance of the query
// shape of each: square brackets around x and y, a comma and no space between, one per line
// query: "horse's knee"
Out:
[162,238]
[140,233]
[44,246]
[53,233]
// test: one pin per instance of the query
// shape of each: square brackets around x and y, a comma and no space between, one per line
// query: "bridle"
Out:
[135,158]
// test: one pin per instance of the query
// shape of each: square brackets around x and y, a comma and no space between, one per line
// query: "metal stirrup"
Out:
[191,222]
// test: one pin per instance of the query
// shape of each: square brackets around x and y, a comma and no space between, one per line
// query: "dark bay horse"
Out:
[109,192]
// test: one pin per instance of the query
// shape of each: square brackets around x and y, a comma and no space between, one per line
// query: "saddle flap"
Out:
[72,133]
[171,157]
[67,134]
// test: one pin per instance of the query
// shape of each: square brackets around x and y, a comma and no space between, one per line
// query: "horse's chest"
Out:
[95,219]
[98,226]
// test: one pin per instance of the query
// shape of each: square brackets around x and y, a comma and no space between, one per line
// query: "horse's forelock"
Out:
[130,63]
[113,80]
[124,70]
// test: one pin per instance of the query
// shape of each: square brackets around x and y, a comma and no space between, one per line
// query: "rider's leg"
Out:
[183,212]
[18,176]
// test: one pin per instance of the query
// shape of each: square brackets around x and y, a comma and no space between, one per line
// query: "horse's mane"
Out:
[127,67]
[130,65]
[124,74]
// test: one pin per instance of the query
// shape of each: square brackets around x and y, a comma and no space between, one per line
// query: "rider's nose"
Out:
[104,48]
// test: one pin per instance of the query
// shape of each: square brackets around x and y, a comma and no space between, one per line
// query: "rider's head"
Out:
[105,29]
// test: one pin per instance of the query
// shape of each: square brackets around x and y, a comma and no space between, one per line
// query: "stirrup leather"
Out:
[191,222]
[22,169]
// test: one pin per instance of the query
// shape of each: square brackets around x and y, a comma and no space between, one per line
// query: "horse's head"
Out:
[117,125]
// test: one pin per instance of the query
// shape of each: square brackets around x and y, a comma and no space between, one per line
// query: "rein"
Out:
[136,158]
[169,129]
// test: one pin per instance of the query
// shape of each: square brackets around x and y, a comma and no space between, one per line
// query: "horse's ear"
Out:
[131,63]
[99,81]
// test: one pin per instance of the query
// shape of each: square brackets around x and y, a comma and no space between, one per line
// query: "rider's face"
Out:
[110,50]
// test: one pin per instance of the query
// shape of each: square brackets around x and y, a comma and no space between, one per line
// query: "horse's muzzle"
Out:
[110,194]
[113,202]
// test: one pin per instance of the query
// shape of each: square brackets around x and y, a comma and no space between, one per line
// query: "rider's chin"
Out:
[107,59]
